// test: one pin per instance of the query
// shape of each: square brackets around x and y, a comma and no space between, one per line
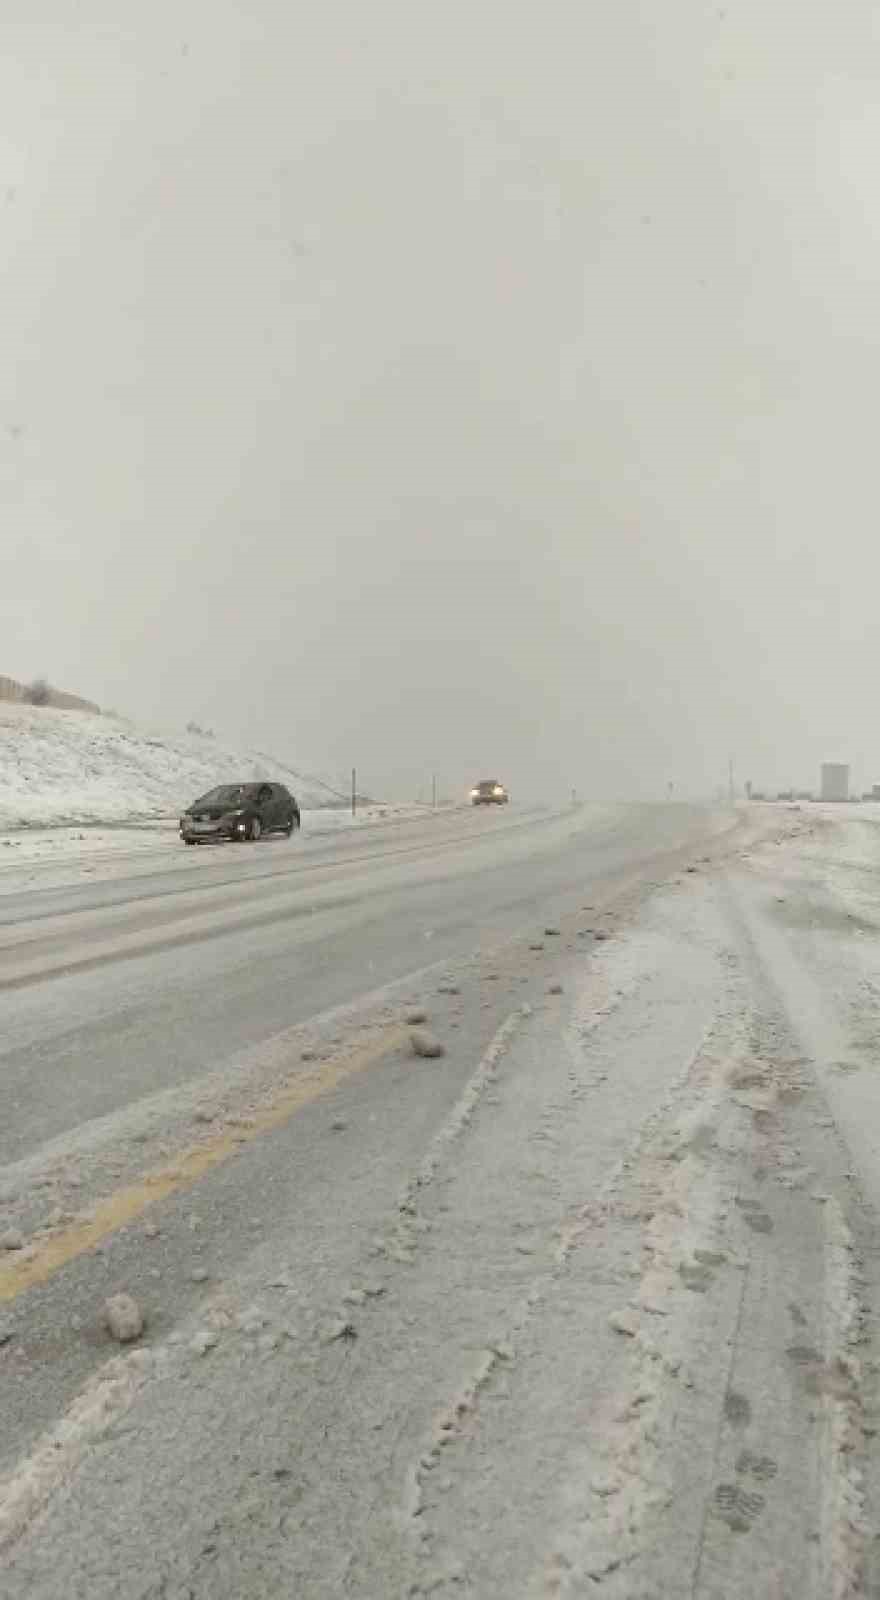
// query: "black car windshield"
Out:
[229,794]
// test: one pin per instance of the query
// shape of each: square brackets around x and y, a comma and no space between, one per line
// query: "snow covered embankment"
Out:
[61,767]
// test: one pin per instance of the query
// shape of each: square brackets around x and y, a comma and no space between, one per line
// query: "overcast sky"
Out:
[479,385]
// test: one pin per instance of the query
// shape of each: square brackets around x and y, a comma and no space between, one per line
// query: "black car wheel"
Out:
[292,825]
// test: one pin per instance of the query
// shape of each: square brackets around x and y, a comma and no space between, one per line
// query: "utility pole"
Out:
[434,791]
[730,786]
[354,796]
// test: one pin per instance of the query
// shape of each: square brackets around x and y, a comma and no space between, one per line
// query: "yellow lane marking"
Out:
[130,1202]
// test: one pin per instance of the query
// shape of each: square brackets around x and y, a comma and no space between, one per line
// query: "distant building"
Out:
[835,781]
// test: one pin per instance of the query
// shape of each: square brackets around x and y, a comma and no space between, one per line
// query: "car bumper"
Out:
[205,831]
[490,800]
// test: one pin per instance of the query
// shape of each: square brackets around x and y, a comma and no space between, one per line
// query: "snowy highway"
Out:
[165,971]
[583,1305]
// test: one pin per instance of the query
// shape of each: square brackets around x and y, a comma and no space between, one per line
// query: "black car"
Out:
[240,811]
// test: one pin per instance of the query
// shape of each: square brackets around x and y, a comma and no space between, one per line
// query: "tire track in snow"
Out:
[704,1456]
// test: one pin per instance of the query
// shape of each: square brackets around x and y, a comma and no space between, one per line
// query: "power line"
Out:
[320,783]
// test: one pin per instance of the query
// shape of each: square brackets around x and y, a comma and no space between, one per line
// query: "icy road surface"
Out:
[584,1306]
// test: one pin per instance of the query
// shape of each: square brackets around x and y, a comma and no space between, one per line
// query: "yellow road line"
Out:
[130,1202]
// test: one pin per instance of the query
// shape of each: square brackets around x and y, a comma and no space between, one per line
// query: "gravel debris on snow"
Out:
[123,1318]
[425,1043]
[625,1322]
[206,1339]
[341,1328]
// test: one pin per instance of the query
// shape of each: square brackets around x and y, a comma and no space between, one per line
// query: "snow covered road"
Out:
[161,976]
[584,1307]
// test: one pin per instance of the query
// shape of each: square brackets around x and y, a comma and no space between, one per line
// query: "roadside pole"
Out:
[354,798]
[434,791]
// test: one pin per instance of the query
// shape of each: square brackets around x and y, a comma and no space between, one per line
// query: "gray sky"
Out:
[476,384]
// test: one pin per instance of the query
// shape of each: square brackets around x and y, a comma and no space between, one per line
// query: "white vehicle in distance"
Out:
[489,792]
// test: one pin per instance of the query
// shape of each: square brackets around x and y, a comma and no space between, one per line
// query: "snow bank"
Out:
[69,766]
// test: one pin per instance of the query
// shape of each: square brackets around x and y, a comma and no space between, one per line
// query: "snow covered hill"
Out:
[69,766]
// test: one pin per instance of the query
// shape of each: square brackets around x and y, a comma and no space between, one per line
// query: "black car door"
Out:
[280,808]
[265,807]
[281,802]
